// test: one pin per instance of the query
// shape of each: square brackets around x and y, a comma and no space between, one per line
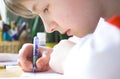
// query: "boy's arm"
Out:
[60,51]
[96,56]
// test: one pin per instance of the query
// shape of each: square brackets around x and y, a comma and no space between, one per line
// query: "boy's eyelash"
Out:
[46,9]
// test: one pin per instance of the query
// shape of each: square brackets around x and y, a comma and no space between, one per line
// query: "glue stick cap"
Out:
[42,38]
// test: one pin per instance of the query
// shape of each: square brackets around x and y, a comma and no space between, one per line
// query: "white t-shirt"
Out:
[95,56]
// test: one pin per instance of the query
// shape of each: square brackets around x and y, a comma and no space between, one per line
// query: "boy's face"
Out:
[71,17]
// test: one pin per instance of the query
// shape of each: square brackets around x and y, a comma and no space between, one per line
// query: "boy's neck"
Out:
[110,8]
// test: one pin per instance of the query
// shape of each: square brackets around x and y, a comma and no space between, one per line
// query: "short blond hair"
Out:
[17,8]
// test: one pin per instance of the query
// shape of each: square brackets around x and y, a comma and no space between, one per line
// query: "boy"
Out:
[94,51]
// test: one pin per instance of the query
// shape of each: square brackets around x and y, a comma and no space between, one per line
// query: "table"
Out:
[11,72]
[16,72]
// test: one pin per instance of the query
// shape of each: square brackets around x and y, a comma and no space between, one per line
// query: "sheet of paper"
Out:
[15,72]
[8,63]
[8,57]
[43,75]
[11,72]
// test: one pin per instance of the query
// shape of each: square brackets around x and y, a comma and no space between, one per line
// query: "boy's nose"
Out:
[51,27]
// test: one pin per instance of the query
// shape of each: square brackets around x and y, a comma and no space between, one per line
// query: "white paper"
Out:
[43,75]
[8,57]
[11,59]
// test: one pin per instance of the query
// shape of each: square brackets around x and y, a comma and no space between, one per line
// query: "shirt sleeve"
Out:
[96,56]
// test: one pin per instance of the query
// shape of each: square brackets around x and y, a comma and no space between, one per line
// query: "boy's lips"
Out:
[68,32]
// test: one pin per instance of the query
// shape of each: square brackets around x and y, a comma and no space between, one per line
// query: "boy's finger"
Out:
[26,65]
[43,49]
[42,61]
[26,50]
[45,68]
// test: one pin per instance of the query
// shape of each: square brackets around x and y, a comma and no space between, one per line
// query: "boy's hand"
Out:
[26,55]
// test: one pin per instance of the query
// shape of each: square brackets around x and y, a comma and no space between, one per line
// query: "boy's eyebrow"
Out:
[33,8]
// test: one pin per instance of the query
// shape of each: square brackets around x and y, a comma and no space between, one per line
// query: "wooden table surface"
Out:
[11,72]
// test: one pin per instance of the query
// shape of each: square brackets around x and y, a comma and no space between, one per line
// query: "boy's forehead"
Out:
[32,3]
[29,4]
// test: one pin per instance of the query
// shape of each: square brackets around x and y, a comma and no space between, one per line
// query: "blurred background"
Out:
[16,30]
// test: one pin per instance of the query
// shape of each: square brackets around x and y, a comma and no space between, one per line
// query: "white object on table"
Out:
[8,59]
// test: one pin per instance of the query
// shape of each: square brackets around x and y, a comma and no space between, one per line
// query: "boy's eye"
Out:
[45,10]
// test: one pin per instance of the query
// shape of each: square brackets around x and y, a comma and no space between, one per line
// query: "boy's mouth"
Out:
[68,32]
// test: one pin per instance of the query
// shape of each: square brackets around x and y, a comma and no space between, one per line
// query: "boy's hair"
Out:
[17,8]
